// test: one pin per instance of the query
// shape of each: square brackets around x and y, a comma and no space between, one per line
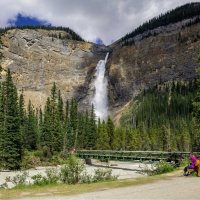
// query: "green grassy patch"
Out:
[64,189]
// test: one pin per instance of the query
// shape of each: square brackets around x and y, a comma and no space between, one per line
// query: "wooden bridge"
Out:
[106,155]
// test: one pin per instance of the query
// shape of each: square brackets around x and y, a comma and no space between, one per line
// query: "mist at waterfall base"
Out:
[100,100]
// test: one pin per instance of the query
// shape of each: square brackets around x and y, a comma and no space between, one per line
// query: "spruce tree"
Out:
[30,128]
[66,126]
[46,134]
[22,119]
[110,131]
[103,139]
[10,147]
[2,126]
[91,132]
[196,114]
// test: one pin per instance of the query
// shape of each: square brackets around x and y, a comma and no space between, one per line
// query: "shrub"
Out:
[86,178]
[38,179]
[46,152]
[160,167]
[19,179]
[103,175]
[38,153]
[30,161]
[51,177]
[71,172]
[4,186]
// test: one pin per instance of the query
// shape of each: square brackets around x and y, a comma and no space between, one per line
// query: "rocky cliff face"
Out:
[169,55]
[37,59]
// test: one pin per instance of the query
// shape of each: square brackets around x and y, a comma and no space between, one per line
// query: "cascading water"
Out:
[100,100]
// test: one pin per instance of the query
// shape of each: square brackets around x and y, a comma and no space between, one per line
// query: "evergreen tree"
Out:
[30,138]
[66,126]
[10,146]
[40,125]
[110,131]
[91,132]
[46,134]
[196,114]
[103,138]
[2,124]
[22,119]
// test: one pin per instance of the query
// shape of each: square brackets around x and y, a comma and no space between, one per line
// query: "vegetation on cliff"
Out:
[178,14]
[73,35]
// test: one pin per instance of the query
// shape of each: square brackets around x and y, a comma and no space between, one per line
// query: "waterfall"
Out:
[100,100]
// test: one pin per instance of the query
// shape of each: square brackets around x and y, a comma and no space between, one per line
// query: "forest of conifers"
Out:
[166,117]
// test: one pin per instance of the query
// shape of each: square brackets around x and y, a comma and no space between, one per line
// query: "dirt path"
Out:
[176,188]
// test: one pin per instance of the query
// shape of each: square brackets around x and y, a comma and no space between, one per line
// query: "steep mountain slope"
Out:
[161,50]
[39,57]
[157,55]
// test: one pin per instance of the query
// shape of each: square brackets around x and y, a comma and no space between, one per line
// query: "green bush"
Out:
[86,178]
[18,180]
[30,161]
[52,177]
[38,179]
[71,172]
[103,175]
[38,153]
[46,152]
[160,167]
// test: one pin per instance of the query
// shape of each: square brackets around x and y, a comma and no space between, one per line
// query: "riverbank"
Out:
[62,190]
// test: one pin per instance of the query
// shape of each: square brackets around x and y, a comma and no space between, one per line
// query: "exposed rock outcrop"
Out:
[37,59]
[169,55]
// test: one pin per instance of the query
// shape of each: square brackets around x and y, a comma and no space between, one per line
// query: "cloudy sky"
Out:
[92,19]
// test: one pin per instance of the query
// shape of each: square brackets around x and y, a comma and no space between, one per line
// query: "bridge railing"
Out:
[132,155]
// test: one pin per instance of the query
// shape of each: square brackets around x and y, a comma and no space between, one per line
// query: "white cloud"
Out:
[107,19]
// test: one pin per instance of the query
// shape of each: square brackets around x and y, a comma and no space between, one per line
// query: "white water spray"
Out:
[100,99]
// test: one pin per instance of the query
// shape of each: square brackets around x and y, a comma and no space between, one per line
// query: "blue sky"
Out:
[21,20]
[94,20]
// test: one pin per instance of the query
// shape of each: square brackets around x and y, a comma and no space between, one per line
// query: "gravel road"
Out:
[176,188]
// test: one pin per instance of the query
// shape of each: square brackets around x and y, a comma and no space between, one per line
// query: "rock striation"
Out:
[37,59]
[168,55]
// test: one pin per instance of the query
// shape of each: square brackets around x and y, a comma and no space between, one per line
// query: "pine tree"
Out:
[46,134]
[66,126]
[196,114]
[58,124]
[22,119]
[40,125]
[110,131]
[73,114]
[103,138]
[11,147]
[91,132]
[30,129]
[2,124]
[22,112]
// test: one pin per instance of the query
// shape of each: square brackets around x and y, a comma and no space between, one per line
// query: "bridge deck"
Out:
[132,155]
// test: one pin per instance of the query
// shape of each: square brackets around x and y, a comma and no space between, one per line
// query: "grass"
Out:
[63,189]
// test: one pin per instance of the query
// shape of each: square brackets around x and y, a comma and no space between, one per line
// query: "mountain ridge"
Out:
[38,57]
